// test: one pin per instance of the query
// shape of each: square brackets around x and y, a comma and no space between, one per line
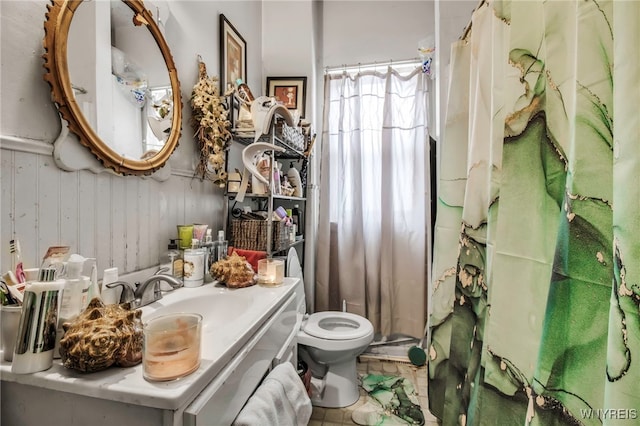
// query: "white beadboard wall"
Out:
[121,221]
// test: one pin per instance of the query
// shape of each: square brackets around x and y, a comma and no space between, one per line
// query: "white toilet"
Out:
[329,343]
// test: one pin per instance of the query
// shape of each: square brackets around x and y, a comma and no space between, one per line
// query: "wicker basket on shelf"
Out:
[251,234]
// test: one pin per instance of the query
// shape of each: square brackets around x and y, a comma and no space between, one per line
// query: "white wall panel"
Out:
[7,202]
[145,257]
[69,214]
[122,221]
[118,224]
[26,202]
[175,205]
[87,215]
[131,216]
[48,207]
[104,236]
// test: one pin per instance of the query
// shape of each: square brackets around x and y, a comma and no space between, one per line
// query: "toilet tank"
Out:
[294,270]
[301,303]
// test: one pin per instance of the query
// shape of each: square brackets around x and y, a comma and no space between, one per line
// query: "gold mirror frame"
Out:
[56,27]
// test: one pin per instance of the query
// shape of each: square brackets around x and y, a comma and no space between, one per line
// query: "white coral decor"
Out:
[211,126]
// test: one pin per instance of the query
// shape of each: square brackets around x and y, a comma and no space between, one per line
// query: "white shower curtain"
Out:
[373,200]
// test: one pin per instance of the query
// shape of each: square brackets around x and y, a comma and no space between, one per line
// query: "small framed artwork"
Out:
[233,55]
[291,91]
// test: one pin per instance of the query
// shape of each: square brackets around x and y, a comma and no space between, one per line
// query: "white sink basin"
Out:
[216,307]
[227,314]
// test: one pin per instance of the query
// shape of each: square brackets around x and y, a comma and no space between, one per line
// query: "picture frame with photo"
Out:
[233,55]
[290,91]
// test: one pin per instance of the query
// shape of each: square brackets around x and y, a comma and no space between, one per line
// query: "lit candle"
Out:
[270,271]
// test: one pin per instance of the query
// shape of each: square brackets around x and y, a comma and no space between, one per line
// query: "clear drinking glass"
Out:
[171,346]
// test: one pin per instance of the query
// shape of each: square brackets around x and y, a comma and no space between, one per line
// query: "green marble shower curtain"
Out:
[536,277]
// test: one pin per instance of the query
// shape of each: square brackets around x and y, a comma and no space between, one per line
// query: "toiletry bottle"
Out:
[94,290]
[193,270]
[296,215]
[290,227]
[178,261]
[208,256]
[221,246]
[73,302]
[110,296]
[171,262]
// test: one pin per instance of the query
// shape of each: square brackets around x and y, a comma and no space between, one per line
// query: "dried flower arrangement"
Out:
[211,126]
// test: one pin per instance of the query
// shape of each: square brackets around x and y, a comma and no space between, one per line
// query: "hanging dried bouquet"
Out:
[209,120]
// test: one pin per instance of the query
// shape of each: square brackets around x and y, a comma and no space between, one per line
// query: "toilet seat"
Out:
[337,326]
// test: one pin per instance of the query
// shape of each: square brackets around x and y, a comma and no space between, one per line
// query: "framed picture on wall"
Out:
[233,55]
[291,91]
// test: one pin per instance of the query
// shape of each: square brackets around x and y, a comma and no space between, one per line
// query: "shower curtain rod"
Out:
[467,29]
[370,65]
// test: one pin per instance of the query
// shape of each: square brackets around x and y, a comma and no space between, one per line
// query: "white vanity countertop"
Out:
[235,316]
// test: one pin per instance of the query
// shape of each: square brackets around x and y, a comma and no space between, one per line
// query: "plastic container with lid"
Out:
[193,267]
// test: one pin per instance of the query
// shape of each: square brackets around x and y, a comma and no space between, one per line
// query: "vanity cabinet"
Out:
[291,158]
[225,396]
[238,351]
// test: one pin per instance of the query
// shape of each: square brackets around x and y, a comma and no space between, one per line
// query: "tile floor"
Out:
[342,416]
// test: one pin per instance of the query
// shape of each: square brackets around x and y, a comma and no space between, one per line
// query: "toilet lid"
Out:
[334,325]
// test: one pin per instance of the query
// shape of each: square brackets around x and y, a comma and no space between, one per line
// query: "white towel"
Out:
[281,400]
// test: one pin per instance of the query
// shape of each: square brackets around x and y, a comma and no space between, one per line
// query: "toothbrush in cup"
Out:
[14,248]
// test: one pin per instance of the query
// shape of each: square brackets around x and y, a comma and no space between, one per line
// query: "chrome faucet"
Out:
[145,293]
[149,291]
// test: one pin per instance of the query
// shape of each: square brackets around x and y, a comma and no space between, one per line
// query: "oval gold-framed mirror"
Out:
[64,92]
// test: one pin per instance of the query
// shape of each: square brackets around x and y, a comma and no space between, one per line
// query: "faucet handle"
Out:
[127,295]
[162,269]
